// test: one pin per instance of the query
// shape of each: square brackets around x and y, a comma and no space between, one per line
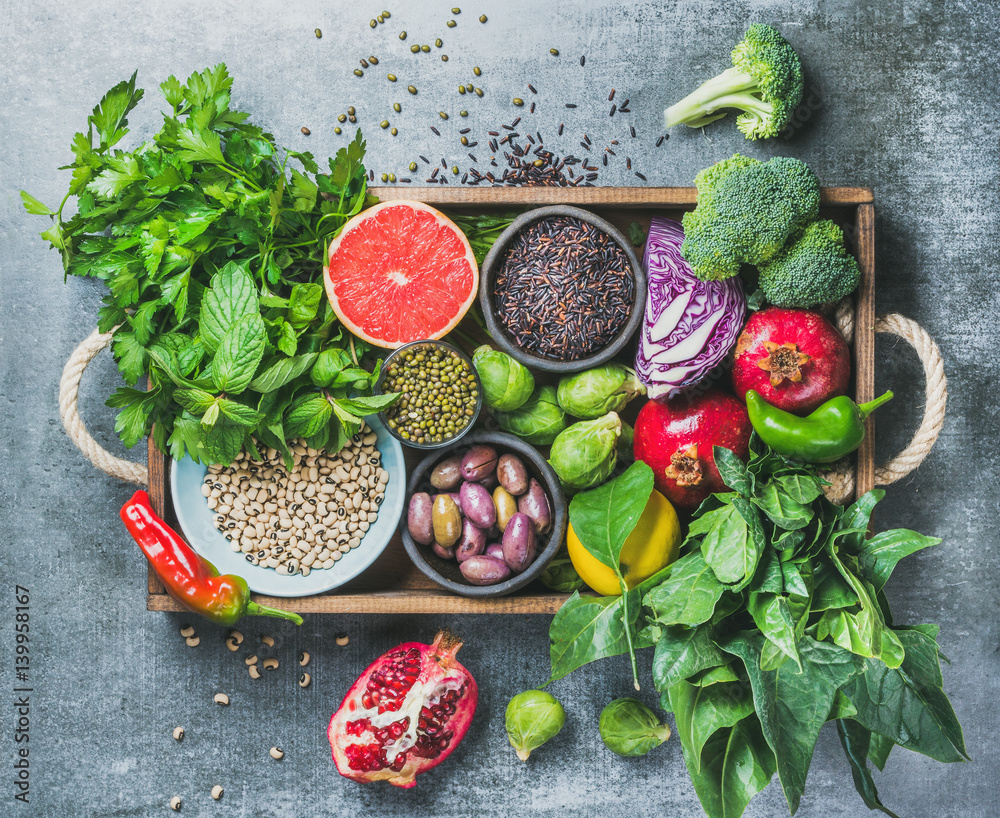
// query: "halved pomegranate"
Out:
[405,714]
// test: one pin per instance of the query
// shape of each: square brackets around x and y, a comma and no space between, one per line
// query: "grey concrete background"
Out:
[905,99]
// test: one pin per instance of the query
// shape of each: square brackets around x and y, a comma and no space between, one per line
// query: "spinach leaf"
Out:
[688,596]
[793,705]
[683,652]
[736,764]
[907,704]
[878,556]
[856,741]
[588,628]
[701,711]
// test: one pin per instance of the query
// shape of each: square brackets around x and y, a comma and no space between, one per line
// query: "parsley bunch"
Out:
[212,248]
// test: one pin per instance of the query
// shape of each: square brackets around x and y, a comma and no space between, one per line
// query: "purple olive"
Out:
[447,474]
[489,482]
[447,520]
[419,520]
[512,475]
[494,549]
[483,570]
[519,542]
[472,542]
[535,503]
[479,462]
[477,505]
[506,506]
[442,552]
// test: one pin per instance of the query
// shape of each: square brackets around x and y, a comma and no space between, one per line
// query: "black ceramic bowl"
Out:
[494,260]
[446,572]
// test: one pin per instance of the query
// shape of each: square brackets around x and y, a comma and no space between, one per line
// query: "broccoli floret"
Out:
[765,83]
[815,269]
[747,211]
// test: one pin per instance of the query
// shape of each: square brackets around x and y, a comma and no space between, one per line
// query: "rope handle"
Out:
[69,392]
[841,477]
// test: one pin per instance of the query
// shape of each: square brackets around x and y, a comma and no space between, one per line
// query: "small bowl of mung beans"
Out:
[440,394]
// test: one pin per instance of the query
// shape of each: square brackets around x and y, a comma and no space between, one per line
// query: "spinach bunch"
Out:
[212,248]
[773,622]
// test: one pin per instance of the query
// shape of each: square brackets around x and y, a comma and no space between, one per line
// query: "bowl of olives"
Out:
[484,516]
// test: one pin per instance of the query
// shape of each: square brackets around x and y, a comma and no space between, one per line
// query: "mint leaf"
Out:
[282,371]
[370,405]
[240,414]
[239,353]
[306,415]
[195,401]
[232,296]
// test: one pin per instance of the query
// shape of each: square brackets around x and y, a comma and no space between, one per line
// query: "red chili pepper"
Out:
[188,578]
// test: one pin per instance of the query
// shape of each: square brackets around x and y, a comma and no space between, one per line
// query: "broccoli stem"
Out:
[705,100]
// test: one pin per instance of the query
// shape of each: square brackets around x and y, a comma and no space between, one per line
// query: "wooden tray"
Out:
[392,584]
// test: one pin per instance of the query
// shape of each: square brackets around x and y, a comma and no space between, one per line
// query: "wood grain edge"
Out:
[157,488]
[864,341]
[627,197]
[393,602]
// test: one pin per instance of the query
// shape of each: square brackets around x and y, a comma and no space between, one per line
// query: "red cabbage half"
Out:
[690,325]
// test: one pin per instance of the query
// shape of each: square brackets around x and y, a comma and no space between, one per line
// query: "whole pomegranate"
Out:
[405,714]
[795,359]
[675,438]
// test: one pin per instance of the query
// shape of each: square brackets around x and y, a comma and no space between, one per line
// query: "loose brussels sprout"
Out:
[533,717]
[584,455]
[560,575]
[608,388]
[507,384]
[629,728]
[538,421]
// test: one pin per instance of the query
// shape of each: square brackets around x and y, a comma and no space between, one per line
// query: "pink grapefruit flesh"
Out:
[401,271]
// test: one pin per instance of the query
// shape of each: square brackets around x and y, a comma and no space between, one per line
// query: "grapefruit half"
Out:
[401,271]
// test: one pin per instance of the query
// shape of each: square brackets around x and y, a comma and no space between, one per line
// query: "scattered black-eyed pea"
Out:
[217,792]
[277,753]
[267,640]
[221,698]
[193,641]
[179,733]
[236,636]
[342,639]
[270,663]
[254,672]
[304,658]
[187,631]
[304,680]
[175,803]
[251,660]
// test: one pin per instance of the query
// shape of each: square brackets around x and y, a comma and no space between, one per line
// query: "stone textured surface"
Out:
[904,101]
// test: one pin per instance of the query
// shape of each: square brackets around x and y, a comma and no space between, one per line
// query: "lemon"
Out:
[652,545]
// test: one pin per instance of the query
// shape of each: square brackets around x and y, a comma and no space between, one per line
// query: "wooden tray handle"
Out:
[841,477]
[69,391]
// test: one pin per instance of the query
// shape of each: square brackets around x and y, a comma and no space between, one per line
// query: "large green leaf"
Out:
[231,297]
[682,652]
[907,704]
[736,764]
[772,615]
[727,546]
[588,628]
[793,705]
[603,518]
[782,509]
[878,556]
[701,711]
[239,354]
[688,596]
[856,741]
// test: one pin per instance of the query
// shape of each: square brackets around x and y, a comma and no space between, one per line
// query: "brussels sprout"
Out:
[588,395]
[584,455]
[560,575]
[533,717]
[629,728]
[538,421]
[507,384]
